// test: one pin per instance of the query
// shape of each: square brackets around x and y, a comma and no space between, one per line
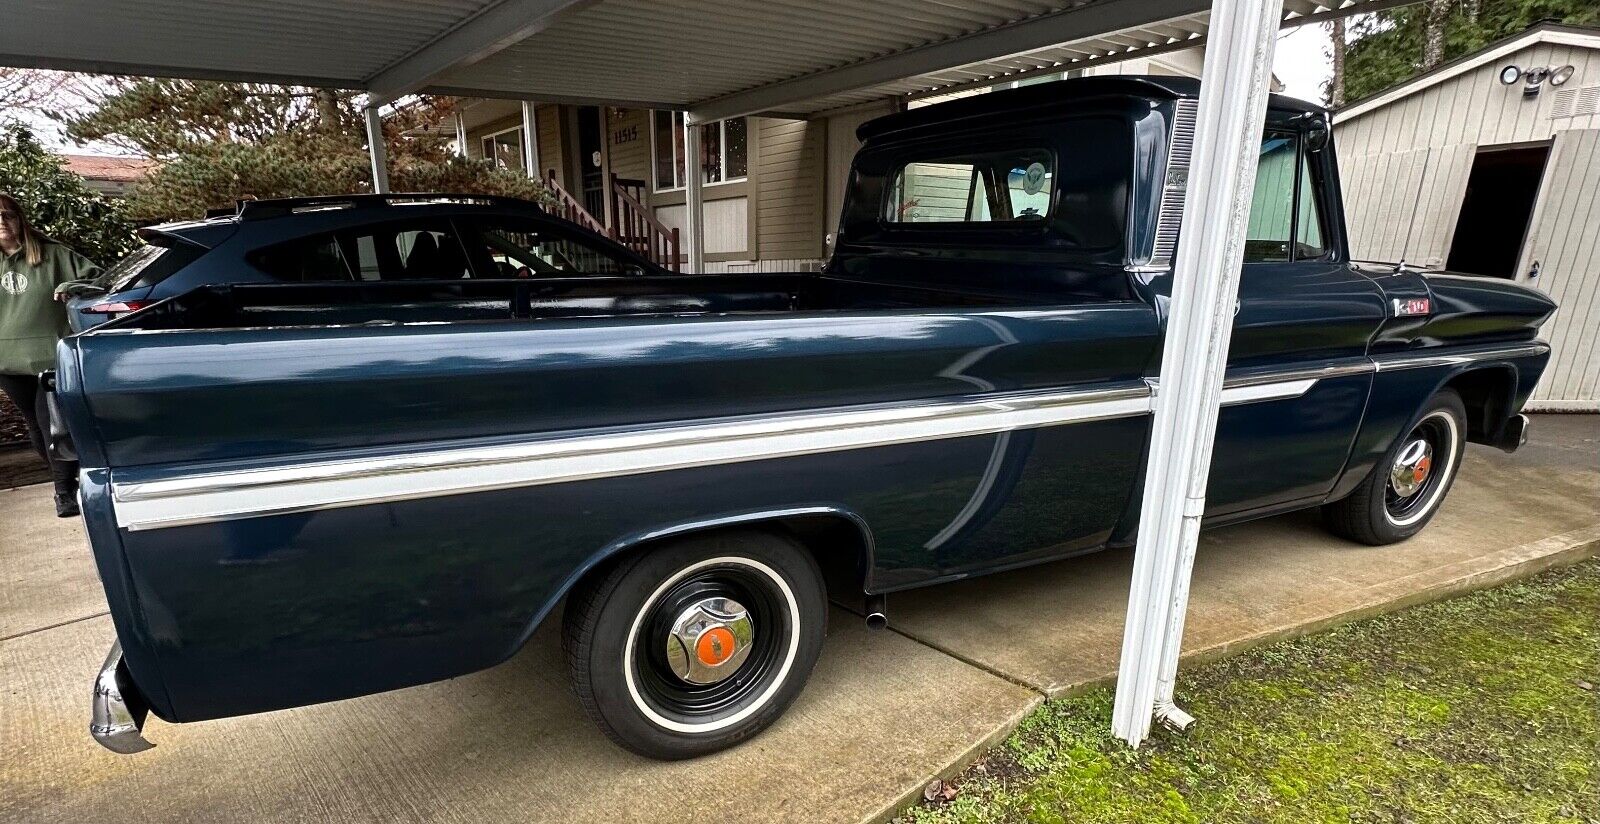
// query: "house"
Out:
[110,176]
[1490,165]
[772,186]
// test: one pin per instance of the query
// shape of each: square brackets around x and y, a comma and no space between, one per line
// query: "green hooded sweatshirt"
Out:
[31,319]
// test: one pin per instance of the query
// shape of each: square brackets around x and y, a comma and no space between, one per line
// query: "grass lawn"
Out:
[1482,708]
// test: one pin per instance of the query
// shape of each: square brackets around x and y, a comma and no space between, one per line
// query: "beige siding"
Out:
[547,122]
[1565,240]
[726,224]
[790,188]
[630,158]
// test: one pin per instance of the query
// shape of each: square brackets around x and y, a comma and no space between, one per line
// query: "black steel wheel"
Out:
[1405,489]
[695,645]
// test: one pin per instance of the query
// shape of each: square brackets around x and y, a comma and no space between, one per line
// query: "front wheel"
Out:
[1406,488]
[696,645]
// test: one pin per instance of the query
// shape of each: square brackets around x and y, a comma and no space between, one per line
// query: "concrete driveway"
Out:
[884,712]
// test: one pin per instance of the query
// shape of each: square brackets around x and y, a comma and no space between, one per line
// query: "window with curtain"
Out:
[724,150]
[504,148]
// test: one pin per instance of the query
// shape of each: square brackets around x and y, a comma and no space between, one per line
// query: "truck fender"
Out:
[660,532]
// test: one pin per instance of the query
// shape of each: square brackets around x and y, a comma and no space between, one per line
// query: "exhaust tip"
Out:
[877,613]
[877,621]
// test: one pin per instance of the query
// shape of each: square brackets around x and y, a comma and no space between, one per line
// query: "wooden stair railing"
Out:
[571,208]
[636,227]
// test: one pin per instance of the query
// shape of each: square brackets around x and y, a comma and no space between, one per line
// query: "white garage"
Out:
[1490,165]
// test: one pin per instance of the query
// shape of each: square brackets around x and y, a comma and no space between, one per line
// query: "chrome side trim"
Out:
[208,496]
[112,721]
[212,496]
[1386,363]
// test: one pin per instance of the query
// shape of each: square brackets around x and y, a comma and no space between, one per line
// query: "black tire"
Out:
[618,633]
[1377,513]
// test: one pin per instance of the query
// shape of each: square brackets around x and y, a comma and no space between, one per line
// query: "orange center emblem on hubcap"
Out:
[1420,473]
[715,646]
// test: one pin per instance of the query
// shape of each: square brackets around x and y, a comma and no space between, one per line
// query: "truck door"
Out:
[1302,312]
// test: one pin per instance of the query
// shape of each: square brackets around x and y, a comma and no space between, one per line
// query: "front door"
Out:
[591,160]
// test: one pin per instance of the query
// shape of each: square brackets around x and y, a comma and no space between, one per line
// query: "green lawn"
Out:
[1482,708]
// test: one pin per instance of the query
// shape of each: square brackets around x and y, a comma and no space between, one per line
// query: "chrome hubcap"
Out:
[1411,468]
[709,640]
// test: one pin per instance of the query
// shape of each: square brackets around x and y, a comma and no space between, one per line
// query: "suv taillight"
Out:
[115,307]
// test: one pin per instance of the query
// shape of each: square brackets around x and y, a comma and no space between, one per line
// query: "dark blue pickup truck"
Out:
[301,493]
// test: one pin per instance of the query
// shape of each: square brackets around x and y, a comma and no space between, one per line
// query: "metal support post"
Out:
[694,228]
[375,148]
[1216,208]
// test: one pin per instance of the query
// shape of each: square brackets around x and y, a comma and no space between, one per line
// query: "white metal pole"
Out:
[461,135]
[375,149]
[1205,287]
[694,227]
[530,139]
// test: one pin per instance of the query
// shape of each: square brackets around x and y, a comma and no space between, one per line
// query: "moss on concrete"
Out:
[1479,709]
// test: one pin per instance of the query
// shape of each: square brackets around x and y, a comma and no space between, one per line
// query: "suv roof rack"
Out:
[279,207]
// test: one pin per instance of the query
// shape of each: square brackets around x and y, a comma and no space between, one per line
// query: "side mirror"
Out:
[1317,136]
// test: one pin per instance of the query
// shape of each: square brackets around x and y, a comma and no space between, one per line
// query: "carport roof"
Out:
[715,58]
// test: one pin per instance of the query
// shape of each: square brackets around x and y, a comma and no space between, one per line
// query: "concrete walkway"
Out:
[884,712]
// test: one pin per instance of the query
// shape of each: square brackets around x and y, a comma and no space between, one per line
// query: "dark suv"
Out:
[353,238]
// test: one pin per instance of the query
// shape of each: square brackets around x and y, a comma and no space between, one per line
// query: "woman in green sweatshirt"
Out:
[36,275]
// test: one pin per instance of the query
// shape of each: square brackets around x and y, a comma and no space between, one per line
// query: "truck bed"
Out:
[433,302]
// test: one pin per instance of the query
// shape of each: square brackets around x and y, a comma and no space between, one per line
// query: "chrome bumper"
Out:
[117,721]
[1514,434]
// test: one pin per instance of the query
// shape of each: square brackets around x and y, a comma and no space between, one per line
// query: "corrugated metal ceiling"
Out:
[674,52]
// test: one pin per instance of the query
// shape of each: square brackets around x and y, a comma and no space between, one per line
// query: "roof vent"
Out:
[1580,102]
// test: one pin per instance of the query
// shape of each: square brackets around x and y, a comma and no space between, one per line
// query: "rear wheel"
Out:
[1405,489]
[696,645]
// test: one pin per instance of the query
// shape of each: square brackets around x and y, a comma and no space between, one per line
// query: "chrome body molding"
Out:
[219,494]
[208,496]
[114,722]
[1406,360]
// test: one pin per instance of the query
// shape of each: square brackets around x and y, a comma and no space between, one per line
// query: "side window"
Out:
[315,258]
[520,249]
[1272,204]
[391,251]
[997,187]
[1282,176]
[1309,240]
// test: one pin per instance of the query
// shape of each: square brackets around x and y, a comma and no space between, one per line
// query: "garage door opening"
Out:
[1494,216]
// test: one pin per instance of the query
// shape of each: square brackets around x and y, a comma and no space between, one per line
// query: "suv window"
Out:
[147,266]
[409,250]
[1283,179]
[525,248]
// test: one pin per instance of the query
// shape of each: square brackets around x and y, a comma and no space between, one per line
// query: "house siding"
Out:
[789,187]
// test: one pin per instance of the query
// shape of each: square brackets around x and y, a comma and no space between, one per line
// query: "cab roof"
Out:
[1013,102]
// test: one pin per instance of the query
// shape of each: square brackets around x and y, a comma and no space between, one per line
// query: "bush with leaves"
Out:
[223,142]
[59,204]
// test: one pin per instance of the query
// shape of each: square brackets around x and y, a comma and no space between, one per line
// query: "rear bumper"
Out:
[1514,434]
[116,716]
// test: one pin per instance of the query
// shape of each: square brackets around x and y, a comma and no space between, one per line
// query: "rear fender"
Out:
[781,518]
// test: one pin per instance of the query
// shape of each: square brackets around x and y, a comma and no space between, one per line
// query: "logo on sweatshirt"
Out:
[14,282]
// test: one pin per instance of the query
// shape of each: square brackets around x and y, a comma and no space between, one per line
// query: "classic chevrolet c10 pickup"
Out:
[303,493]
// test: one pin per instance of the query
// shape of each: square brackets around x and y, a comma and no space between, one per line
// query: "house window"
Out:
[504,148]
[724,150]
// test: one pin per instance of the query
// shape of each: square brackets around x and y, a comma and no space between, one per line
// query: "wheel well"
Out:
[840,544]
[1487,394]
